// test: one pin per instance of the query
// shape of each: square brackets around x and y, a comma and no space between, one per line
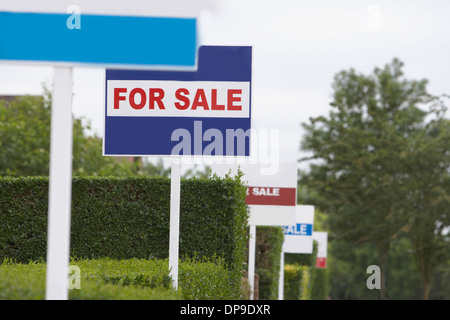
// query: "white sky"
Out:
[298,47]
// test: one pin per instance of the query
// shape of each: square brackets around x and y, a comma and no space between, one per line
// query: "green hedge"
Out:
[134,279]
[269,242]
[302,259]
[124,218]
[297,282]
[303,280]
[321,286]
[299,275]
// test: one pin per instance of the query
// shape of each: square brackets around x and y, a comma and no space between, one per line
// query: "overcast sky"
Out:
[298,46]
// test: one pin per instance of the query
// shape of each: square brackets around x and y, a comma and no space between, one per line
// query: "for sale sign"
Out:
[298,237]
[206,112]
[322,247]
[271,197]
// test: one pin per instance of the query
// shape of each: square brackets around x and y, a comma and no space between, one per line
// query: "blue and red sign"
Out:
[206,112]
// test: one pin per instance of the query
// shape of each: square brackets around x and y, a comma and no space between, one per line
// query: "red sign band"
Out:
[321,262]
[271,196]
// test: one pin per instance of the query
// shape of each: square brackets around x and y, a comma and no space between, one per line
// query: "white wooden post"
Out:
[60,186]
[281,279]
[251,260]
[174,234]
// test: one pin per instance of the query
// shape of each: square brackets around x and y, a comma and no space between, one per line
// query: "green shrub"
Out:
[292,281]
[27,281]
[299,275]
[297,282]
[97,290]
[22,281]
[206,279]
[302,259]
[136,272]
[198,279]
[125,218]
[134,279]
[320,288]
[269,242]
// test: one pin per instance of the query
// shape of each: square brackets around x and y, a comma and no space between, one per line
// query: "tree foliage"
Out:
[24,136]
[381,164]
[25,143]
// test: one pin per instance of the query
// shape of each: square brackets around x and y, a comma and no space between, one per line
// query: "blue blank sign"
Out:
[101,39]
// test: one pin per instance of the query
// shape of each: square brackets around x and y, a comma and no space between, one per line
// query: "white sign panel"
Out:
[150,8]
[271,198]
[298,237]
[157,98]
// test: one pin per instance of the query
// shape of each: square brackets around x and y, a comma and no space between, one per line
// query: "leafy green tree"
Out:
[198,173]
[155,170]
[25,142]
[24,136]
[428,197]
[362,173]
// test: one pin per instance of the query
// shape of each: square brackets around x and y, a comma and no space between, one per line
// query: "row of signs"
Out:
[179,100]
[201,113]
[150,112]
[187,113]
[272,200]
[182,108]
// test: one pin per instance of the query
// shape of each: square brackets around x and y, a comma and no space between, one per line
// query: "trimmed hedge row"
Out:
[297,282]
[124,218]
[321,287]
[134,279]
[269,243]
[299,275]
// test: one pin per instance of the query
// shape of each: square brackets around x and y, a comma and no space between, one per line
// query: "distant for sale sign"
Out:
[272,198]
[298,237]
[322,247]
